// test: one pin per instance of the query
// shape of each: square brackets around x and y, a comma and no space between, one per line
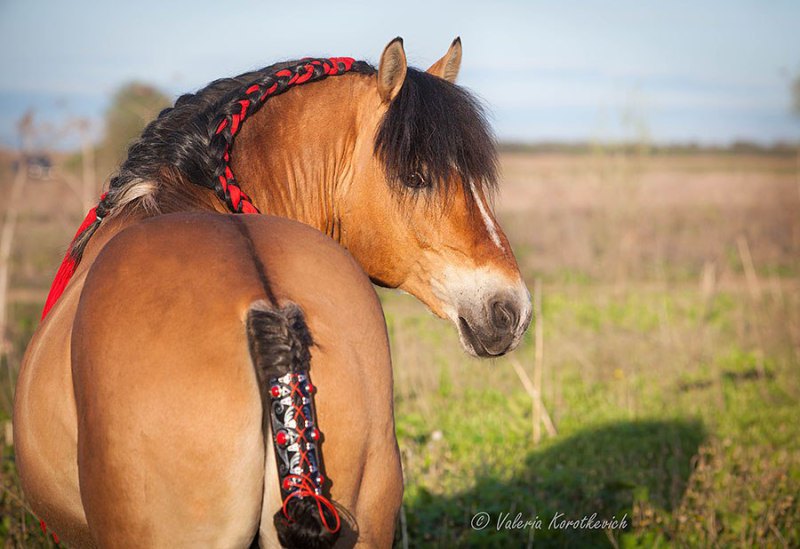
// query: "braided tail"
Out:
[279,342]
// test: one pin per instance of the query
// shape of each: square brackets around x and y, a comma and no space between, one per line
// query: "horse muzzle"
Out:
[496,326]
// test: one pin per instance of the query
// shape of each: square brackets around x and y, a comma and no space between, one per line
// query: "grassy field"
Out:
[671,361]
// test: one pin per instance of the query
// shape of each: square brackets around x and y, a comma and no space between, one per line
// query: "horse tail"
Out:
[280,342]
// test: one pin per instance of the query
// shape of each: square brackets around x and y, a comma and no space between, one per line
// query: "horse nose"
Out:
[495,327]
[500,327]
[504,316]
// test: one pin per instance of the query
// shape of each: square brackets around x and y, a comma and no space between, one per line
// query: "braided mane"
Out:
[190,143]
[433,131]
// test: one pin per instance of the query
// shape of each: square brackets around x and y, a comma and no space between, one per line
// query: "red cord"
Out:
[43,526]
[305,485]
[238,198]
[306,489]
[68,265]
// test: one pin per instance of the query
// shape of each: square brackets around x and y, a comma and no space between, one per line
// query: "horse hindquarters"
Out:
[170,445]
[170,451]
[169,456]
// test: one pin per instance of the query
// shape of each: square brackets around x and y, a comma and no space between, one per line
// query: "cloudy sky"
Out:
[711,71]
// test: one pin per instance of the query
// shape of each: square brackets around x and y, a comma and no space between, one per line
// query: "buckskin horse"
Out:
[145,405]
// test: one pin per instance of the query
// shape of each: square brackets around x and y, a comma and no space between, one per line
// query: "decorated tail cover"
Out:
[296,438]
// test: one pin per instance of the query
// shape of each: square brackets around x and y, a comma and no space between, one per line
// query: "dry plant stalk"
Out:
[753,284]
[540,416]
[6,241]
[536,397]
[403,527]
[538,359]
[88,190]
[85,187]
[708,285]
[754,288]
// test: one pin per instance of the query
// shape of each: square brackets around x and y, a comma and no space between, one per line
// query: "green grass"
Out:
[677,414]
[675,409]
[680,417]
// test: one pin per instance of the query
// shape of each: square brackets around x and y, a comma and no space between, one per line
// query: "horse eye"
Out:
[416,181]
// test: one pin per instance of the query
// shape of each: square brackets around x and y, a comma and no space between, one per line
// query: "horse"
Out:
[395,165]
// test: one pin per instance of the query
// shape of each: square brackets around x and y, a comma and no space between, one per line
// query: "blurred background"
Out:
[650,187]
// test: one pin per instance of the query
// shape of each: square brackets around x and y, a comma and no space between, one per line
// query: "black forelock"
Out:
[439,130]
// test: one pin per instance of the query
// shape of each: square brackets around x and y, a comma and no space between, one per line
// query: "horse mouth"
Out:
[474,343]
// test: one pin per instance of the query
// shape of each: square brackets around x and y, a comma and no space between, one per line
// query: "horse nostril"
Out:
[504,315]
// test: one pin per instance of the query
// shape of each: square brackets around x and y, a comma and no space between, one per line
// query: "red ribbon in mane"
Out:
[68,265]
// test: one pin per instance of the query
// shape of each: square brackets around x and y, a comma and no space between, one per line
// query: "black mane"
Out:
[432,128]
[435,135]
[180,138]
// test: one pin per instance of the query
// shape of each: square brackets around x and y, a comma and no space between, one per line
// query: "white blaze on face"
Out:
[491,226]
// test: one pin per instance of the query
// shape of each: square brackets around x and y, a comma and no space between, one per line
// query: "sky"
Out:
[711,72]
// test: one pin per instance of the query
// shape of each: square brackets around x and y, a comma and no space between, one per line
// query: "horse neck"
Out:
[295,154]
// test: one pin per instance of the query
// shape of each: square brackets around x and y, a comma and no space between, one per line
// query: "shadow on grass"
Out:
[601,470]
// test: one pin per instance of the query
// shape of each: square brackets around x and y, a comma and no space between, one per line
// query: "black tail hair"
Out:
[280,343]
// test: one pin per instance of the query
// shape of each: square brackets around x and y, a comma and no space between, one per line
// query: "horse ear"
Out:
[392,70]
[447,67]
